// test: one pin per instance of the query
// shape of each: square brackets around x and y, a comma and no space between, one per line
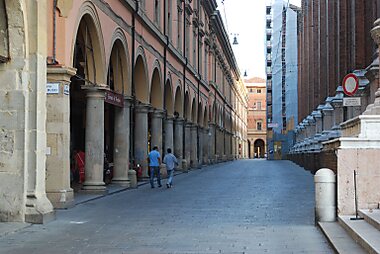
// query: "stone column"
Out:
[234,154]
[229,150]
[212,131]
[178,140]
[337,114]
[94,144]
[58,139]
[168,134]
[218,140]
[156,129]
[121,144]
[205,144]
[327,113]
[318,122]
[141,137]
[188,143]
[194,146]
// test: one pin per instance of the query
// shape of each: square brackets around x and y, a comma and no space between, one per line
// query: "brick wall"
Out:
[334,39]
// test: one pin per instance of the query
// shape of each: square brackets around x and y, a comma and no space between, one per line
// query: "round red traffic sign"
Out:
[350,84]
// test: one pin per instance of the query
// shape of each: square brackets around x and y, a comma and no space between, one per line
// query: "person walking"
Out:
[170,161]
[154,163]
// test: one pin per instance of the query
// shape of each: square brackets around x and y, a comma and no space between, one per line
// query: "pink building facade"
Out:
[122,77]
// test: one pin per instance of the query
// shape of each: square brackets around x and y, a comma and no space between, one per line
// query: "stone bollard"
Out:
[325,206]
[132,178]
[184,166]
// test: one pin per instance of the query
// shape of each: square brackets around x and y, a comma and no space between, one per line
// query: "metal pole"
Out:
[356,200]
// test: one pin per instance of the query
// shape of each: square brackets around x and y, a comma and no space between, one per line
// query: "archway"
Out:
[139,125]
[187,107]
[156,114]
[168,99]
[178,103]
[141,82]
[117,77]
[89,72]
[259,148]
[156,91]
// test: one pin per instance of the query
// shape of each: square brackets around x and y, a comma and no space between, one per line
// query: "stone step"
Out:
[372,217]
[362,232]
[339,239]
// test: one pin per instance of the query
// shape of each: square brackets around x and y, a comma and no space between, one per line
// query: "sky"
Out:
[246,20]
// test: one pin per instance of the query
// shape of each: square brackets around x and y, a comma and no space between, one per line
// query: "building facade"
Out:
[281,70]
[111,79]
[257,131]
[337,38]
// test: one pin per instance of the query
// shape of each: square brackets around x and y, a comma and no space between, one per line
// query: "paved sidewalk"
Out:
[80,198]
[247,206]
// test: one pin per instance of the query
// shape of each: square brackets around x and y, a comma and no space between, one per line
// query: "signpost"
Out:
[351,102]
[350,84]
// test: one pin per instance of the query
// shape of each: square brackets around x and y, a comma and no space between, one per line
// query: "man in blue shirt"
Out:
[154,163]
[171,161]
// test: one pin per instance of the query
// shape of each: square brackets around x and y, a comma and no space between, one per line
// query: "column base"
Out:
[94,188]
[61,199]
[39,210]
[124,182]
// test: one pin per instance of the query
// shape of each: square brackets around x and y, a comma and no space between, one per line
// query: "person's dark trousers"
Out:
[155,171]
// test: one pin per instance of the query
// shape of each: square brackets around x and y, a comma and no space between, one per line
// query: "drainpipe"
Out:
[165,66]
[53,58]
[132,113]
[215,96]
[184,76]
[199,81]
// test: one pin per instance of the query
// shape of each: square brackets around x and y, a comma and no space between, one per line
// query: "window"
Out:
[268,10]
[157,12]
[258,90]
[200,67]
[250,90]
[179,27]
[258,105]
[195,49]
[187,39]
[169,18]
[259,126]
[4,54]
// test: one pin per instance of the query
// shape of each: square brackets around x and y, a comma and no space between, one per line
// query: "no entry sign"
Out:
[350,84]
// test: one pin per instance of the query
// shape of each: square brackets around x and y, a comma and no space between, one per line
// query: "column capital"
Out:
[169,119]
[194,126]
[95,91]
[158,113]
[142,107]
[179,120]
[60,73]
[375,32]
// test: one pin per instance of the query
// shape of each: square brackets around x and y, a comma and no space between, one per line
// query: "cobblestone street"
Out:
[246,206]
